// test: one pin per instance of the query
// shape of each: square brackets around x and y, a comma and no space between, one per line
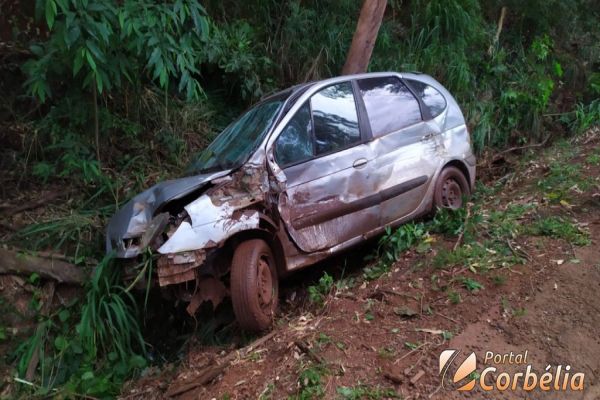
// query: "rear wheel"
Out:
[450,189]
[254,285]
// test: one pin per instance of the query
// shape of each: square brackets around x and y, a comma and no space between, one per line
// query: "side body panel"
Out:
[328,200]
[405,162]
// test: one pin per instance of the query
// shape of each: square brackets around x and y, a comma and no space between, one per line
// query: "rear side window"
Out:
[390,104]
[430,96]
[335,118]
[295,143]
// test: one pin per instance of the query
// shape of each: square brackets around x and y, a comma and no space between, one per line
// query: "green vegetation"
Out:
[360,392]
[317,293]
[91,355]
[310,382]
[558,227]
[472,285]
[392,244]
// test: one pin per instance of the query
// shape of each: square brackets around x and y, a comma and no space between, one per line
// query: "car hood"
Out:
[133,218]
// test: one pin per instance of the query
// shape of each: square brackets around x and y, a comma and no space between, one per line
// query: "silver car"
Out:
[304,174]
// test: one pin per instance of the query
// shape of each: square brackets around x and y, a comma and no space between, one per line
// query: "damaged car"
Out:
[304,174]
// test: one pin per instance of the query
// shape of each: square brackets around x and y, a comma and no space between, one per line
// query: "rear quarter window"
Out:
[431,97]
[390,104]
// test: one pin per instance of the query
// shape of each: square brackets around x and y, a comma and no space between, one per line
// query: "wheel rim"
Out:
[451,194]
[265,284]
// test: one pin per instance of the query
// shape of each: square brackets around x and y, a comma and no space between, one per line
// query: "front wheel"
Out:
[451,189]
[254,285]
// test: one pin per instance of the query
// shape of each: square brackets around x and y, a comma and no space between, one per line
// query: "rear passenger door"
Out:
[330,195]
[404,146]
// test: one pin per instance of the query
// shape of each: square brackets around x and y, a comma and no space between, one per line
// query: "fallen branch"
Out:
[49,268]
[209,373]
[309,352]
[448,318]
[529,146]
[393,377]
[44,200]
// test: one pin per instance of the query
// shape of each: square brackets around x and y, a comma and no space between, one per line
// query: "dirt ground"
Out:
[383,338]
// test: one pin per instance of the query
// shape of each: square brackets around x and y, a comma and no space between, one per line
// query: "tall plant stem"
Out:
[96,123]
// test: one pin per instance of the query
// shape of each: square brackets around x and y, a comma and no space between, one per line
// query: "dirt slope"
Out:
[538,291]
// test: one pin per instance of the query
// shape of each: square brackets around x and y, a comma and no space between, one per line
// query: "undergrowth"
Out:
[86,349]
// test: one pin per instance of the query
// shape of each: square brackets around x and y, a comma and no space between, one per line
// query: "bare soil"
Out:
[389,333]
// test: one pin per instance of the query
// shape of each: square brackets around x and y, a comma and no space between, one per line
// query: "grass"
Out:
[91,355]
[472,285]
[498,280]
[559,228]
[454,297]
[360,392]
[593,159]
[564,178]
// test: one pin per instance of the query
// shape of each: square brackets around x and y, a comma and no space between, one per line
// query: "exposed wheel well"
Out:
[462,167]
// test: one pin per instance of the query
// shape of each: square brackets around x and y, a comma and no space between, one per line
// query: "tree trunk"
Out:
[364,38]
[24,264]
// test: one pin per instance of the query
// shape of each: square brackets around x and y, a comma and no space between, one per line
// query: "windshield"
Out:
[235,144]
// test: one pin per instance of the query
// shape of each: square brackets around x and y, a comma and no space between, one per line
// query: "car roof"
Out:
[296,90]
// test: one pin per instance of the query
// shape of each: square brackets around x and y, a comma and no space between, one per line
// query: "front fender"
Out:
[210,226]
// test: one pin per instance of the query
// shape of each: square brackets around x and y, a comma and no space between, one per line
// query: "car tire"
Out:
[254,285]
[450,189]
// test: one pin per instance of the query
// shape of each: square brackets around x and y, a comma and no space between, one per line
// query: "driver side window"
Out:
[295,143]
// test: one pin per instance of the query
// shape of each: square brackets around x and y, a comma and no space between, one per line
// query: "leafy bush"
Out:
[103,44]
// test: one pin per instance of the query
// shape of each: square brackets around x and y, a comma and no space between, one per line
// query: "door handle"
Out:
[427,136]
[361,162]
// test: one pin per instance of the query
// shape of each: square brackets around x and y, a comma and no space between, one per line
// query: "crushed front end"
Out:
[186,225]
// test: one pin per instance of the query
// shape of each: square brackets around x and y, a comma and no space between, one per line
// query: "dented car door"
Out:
[329,196]
[404,144]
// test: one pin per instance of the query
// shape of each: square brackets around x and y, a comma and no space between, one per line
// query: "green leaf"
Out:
[73,35]
[95,50]
[99,82]
[37,50]
[154,57]
[63,315]
[137,362]
[121,19]
[63,5]
[78,61]
[87,376]
[90,60]
[60,343]
[50,12]
[163,77]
